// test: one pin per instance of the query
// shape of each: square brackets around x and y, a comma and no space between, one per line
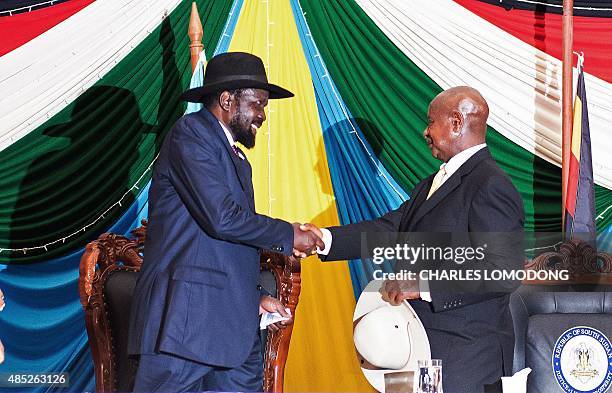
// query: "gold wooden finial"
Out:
[195,35]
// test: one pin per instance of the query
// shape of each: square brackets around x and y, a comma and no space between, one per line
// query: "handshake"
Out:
[306,239]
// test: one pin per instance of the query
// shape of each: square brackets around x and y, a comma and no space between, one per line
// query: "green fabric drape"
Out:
[68,171]
[389,95]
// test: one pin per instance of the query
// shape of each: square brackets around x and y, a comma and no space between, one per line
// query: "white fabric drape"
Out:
[522,84]
[41,77]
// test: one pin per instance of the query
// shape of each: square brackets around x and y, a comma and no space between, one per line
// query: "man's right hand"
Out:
[313,228]
[396,291]
[305,242]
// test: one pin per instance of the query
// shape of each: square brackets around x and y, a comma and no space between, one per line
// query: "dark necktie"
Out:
[238,152]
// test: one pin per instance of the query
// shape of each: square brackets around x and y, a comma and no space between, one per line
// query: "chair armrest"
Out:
[102,257]
[286,271]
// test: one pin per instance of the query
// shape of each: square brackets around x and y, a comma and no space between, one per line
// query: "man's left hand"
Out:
[396,291]
[271,304]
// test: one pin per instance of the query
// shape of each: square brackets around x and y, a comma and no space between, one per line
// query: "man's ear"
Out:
[225,100]
[457,122]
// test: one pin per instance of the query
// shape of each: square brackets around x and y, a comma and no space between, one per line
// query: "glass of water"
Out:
[430,376]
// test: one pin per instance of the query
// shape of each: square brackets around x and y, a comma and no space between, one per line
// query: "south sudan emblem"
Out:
[582,361]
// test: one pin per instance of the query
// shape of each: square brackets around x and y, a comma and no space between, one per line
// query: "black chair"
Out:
[541,314]
[107,277]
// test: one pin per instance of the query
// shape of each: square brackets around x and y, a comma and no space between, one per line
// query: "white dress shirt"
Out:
[230,139]
[451,167]
[459,159]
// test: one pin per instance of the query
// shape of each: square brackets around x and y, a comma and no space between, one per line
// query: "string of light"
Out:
[553,246]
[62,240]
[602,214]
[561,5]
[29,7]
[136,185]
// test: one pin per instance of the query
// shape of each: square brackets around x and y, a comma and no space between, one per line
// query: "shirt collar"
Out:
[460,158]
[228,134]
[231,141]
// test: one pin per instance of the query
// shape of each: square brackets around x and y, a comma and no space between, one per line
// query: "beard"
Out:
[240,126]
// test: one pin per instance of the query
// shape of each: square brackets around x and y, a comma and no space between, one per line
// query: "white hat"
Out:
[389,338]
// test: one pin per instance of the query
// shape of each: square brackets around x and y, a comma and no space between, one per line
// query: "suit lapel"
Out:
[419,196]
[239,164]
[243,169]
[428,204]
[248,180]
[449,185]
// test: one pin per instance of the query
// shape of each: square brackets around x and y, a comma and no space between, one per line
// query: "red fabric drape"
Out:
[592,35]
[18,29]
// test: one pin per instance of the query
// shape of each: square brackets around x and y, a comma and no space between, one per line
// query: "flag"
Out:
[580,199]
[197,79]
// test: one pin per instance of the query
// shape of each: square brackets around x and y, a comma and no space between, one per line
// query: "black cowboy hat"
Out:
[234,70]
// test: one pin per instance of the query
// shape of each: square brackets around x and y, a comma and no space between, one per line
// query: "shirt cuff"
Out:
[327,239]
[424,289]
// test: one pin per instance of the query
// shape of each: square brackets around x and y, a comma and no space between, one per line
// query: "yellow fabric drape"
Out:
[292,181]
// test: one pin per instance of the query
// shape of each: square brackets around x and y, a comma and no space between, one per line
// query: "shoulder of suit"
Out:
[491,176]
[489,172]
[488,167]
[197,124]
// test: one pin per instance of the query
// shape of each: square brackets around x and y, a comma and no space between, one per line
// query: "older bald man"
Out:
[471,332]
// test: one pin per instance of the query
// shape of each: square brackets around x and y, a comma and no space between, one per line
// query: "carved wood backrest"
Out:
[111,253]
[585,264]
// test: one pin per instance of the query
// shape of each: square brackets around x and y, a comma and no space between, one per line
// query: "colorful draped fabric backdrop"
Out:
[90,89]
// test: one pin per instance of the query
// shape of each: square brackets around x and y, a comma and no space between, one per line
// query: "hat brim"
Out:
[198,94]
[370,300]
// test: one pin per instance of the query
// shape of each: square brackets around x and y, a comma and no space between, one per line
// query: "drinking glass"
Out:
[430,376]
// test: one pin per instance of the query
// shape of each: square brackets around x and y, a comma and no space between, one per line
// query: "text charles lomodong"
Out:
[412,254]
[474,275]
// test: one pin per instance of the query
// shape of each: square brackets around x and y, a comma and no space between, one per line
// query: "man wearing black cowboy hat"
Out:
[194,319]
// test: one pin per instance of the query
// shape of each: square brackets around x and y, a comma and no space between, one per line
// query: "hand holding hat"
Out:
[389,340]
[396,291]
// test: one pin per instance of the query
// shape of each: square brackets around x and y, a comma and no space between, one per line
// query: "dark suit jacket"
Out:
[196,295]
[471,332]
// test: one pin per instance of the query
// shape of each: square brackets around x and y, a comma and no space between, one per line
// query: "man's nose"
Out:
[262,116]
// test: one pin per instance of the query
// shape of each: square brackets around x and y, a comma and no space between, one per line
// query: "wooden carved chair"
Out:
[107,276]
[586,265]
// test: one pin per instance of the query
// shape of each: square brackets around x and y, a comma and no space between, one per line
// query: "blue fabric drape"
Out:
[42,327]
[363,188]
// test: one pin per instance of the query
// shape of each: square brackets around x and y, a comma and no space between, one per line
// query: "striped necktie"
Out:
[238,152]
